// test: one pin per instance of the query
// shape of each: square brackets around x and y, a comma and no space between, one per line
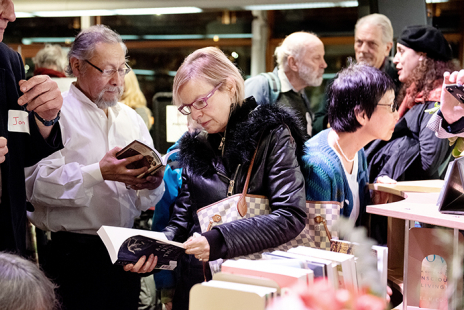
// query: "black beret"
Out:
[426,39]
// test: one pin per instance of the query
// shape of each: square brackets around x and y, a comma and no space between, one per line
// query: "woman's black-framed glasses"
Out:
[110,72]
[393,106]
[199,103]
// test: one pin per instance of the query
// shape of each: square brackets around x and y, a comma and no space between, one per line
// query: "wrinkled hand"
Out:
[199,247]
[450,107]
[380,197]
[3,149]
[152,181]
[113,169]
[141,266]
[42,95]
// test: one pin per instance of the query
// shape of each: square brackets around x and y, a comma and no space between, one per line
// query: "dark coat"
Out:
[23,150]
[205,180]
[413,152]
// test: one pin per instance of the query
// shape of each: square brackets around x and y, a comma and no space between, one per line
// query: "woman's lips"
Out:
[205,123]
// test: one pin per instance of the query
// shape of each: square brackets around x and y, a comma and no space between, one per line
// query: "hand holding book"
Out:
[114,169]
[137,165]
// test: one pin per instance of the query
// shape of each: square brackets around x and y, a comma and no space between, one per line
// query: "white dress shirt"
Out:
[67,188]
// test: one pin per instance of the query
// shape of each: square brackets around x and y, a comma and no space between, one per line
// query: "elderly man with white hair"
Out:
[373,41]
[84,186]
[300,63]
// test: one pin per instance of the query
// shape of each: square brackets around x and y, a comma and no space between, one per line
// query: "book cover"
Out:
[318,268]
[283,275]
[151,158]
[341,246]
[346,261]
[126,246]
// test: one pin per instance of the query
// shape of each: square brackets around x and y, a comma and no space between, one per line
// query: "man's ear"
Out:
[291,63]
[389,47]
[75,66]
[361,116]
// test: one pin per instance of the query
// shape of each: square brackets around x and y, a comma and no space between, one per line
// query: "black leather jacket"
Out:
[276,174]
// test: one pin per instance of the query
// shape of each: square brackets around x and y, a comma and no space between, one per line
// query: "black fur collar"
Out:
[199,151]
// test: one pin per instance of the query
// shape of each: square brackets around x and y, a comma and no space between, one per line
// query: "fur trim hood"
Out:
[199,151]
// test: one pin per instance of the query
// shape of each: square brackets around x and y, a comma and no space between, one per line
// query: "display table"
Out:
[412,201]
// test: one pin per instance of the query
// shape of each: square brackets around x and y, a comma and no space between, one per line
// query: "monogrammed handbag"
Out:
[317,232]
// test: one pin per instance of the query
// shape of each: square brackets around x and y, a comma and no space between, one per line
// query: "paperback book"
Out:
[127,246]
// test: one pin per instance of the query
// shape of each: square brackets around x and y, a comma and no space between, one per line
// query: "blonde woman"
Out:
[214,165]
[135,99]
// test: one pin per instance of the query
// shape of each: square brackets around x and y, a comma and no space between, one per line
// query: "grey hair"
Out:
[23,286]
[379,20]
[50,55]
[83,47]
[294,45]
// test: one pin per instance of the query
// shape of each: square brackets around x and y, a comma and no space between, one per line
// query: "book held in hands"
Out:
[151,158]
[127,245]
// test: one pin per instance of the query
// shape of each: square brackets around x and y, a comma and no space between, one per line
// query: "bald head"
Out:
[301,57]
[296,45]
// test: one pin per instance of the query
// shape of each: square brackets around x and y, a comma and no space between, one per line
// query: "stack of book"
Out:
[237,286]
[249,284]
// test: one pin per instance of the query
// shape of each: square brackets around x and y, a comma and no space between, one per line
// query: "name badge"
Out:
[18,121]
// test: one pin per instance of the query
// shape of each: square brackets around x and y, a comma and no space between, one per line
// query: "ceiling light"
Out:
[159,11]
[74,13]
[23,14]
[308,5]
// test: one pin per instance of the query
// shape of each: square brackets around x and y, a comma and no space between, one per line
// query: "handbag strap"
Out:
[241,204]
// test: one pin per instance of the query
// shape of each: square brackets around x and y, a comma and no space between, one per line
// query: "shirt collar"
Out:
[77,93]
[285,84]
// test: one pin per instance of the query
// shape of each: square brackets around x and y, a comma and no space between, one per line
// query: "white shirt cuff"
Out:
[92,175]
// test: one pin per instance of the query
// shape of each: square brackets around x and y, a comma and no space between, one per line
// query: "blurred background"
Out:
[160,34]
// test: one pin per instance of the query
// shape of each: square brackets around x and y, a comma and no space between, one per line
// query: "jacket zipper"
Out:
[230,189]
[222,144]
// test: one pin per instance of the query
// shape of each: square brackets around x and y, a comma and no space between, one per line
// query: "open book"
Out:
[151,158]
[127,245]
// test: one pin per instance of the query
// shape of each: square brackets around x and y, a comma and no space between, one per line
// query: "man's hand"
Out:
[114,169]
[450,107]
[42,95]
[141,266]
[152,181]
[3,149]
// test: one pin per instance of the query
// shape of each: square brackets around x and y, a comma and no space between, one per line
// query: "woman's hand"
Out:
[379,197]
[450,107]
[141,266]
[197,246]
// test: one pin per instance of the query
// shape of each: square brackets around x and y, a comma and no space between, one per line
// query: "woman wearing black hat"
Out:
[414,152]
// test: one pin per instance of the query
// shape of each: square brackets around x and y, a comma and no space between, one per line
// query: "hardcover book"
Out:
[126,246]
[151,158]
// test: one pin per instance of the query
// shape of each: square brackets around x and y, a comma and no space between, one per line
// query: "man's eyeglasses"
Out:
[111,72]
[199,103]
[393,106]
